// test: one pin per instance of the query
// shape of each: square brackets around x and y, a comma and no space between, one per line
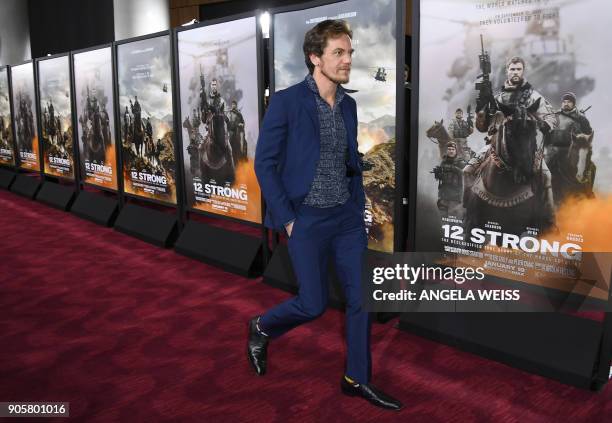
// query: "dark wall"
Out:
[58,26]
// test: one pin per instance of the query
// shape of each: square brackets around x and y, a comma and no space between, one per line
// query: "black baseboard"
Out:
[7,177]
[97,208]
[232,251]
[56,195]
[148,225]
[26,185]
[554,345]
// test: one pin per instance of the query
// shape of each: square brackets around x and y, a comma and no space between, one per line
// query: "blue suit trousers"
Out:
[318,235]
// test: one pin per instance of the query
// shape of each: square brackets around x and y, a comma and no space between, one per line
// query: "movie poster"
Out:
[373,79]
[513,166]
[220,118]
[56,116]
[93,80]
[26,120]
[7,156]
[145,109]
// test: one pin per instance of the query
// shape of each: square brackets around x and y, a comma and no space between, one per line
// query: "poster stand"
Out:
[26,184]
[147,224]
[7,176]
[603,363]
[559,346]
[568,348]
[52,192]
[95,206]
[7,170]
[232,251]
[56,195]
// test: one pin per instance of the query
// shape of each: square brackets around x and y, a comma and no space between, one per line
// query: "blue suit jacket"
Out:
[288,151]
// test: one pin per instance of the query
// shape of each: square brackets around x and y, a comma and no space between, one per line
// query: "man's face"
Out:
[515,73]
[335,62]
[451,151]
[213,86]
[459,114]
[234,105]
[567,105]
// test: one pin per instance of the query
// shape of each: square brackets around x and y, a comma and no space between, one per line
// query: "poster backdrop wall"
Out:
[220,117]
[145,106]
[56,116]
[26,120]
[7,153]
[524,186]
[373,76]
[93,81]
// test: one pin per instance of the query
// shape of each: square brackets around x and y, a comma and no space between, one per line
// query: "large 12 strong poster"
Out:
[7,155]
[93,82]
[373,77]
[56,116]
[26,121]
[145,108]
[220,117]
[513,167]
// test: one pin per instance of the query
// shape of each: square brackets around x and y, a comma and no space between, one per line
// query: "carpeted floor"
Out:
[126,331]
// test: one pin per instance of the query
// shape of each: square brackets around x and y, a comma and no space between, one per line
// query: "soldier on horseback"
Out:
[568,151]
[510,120]
[460,129]
[216,153]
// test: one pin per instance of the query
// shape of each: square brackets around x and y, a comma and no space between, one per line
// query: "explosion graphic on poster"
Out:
[220,118]
[145,100]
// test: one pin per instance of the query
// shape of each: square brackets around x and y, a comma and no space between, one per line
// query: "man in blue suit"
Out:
[309,171]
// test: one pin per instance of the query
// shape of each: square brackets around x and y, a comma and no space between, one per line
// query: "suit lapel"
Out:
[350,124]
[310,106]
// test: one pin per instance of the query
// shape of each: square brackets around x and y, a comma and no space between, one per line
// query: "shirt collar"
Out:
[312,85]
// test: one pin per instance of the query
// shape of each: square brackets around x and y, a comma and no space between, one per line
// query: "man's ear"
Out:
[314,59]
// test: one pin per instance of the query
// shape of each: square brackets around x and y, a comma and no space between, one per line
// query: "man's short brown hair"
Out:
[316,38]
[516,59]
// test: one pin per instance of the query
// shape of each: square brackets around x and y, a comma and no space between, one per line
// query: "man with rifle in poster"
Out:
[510,144]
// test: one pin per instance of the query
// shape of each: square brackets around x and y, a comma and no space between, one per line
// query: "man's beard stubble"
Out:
[516,82]
[335,80]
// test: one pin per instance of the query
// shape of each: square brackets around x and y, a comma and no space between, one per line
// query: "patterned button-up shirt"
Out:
[330,185]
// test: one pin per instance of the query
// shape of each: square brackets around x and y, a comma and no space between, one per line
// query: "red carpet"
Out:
[126,331]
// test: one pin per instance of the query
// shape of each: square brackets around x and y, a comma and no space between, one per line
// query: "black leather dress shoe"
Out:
[370,393]
[257,348]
